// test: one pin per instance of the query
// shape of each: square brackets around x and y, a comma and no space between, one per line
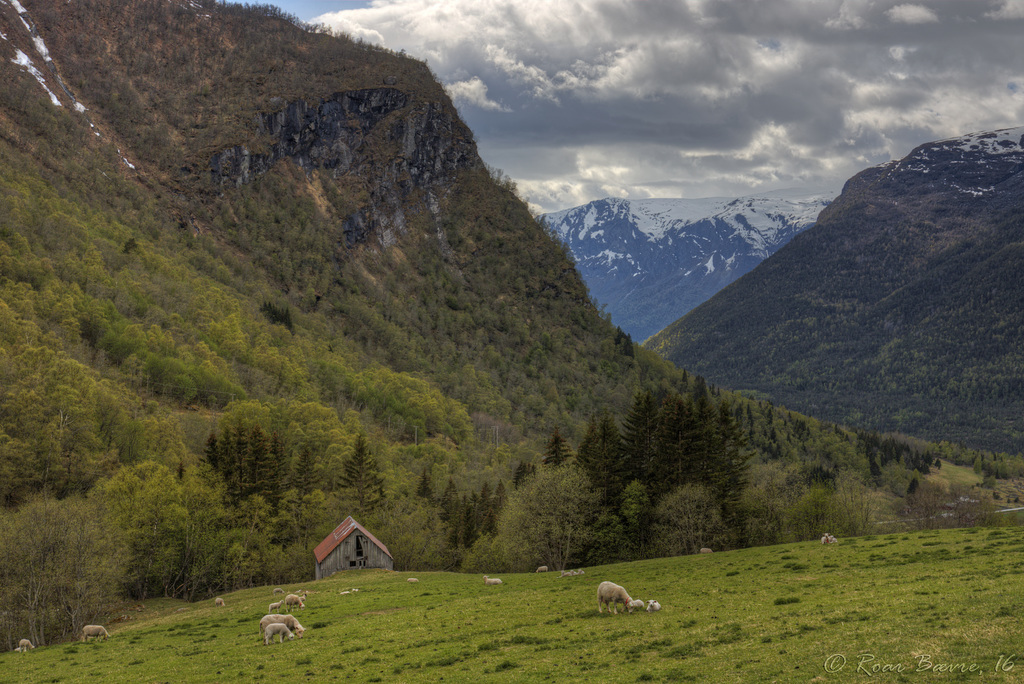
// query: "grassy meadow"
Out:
[924,606]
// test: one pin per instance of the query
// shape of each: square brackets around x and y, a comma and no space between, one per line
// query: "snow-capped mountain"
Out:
[650,261]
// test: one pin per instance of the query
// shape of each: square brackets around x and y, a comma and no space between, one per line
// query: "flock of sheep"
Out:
[285,625]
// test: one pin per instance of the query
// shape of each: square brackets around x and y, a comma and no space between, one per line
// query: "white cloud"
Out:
[473,92]
[911,14]
[576,99]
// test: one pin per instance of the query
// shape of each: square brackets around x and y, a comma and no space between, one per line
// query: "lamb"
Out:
[828,538]
[218,601]
[635,604]
[542,568]
[281,619]
[24,646]
[94,631]
[567,573]
[609,593]
[279,590]
[653,606]
[274,607]
[276,629]
[293,600]
[489,581]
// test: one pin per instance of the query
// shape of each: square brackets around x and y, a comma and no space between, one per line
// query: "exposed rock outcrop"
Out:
[396,147]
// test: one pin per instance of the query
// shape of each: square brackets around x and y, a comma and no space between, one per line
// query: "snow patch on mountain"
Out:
[650,261]
[23,60]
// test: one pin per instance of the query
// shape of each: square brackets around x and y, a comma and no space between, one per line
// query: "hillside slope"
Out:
[648,262]
[788,613]
[900,310]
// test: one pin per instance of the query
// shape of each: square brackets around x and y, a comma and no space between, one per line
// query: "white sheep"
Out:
[279,590]
[567,573]
[274,607]
[293,600]
[542,568]
[276,628]
[218,601]
[609,593]
[283,619]
[94,631]
[653,606]
[489,581]
[706,550]
[635,604]
[412,579]
[25,645]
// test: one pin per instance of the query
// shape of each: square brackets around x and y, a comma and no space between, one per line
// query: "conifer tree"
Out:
[600,456]
[639,438]
[557,451]
[360,474]
[424,489]
[304,472]
[212,451]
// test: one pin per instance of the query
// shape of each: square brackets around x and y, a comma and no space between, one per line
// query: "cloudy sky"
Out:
[578,100]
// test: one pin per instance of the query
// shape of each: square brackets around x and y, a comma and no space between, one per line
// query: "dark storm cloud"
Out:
[578,100]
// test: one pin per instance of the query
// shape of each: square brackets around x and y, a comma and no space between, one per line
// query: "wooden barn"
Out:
[348,547]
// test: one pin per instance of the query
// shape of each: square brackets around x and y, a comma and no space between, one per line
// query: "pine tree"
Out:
[639,437]
[600,456]
[360,474]
[557,451]
[212,451]
[425,489]
[256,454]
[304,472]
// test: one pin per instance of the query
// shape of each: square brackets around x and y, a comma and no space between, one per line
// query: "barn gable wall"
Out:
[346,556]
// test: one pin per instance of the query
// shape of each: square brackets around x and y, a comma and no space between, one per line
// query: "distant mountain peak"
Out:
[649,261]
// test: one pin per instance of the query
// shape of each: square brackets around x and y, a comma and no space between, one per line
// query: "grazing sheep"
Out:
[609,593]
[293,600]
[653,606]
[279,590]
[706,550]
[94,631]
[274,607]
[218,601]
[282,619]
[274,629]
[635,604]
[412,579]
[488,581]
[542,568]
[24,646]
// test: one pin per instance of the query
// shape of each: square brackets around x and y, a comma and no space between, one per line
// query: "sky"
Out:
[578,100]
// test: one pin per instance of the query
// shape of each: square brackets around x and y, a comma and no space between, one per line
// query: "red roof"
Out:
[339,535]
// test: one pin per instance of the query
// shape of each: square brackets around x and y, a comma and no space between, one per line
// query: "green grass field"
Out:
[929,606]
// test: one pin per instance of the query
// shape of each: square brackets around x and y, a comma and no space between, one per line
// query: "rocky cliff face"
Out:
[396,150]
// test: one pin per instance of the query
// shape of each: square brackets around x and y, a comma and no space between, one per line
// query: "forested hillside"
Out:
[254,278]
[901,309]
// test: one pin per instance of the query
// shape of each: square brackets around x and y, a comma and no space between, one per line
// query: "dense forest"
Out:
[199,380]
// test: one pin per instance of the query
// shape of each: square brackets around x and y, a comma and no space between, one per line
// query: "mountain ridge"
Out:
[650,261]
[896,311]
